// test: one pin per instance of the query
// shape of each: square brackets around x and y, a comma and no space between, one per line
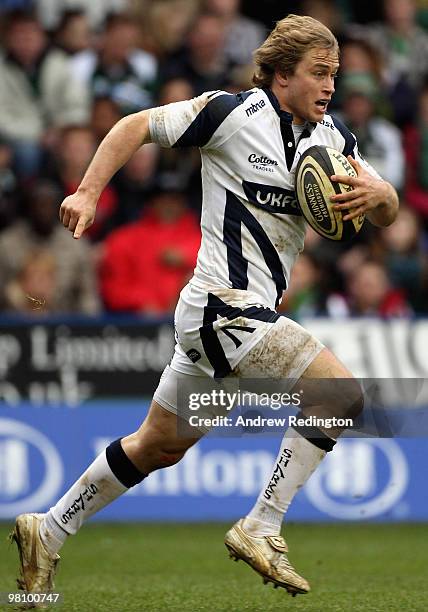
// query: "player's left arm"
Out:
[371,195]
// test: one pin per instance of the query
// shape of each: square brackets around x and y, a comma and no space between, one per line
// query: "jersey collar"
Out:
[282,114]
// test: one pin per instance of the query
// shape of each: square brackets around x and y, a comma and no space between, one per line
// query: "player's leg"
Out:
[122,465]
[302,449]
[158,443]
[256,539]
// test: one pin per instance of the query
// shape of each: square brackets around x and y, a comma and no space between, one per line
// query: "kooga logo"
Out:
[255,107]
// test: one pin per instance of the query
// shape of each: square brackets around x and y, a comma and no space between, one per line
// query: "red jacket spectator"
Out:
[416,194]
[370,293]
[416,152]
[146,264]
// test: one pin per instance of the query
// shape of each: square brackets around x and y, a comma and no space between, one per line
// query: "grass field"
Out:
[185,568]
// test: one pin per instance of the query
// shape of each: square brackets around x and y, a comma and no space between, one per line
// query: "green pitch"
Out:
[185,568]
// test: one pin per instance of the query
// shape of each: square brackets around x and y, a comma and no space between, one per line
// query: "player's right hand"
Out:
[77,213]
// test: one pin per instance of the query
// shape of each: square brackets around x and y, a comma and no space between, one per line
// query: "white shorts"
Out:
[229,333]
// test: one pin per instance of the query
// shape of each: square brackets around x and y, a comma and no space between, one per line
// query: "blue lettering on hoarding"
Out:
[377,479]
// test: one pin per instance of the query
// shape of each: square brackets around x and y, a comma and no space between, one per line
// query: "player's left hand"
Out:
[368,192]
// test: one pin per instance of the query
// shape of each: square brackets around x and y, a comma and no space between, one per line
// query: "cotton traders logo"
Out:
[31,471]
[261,160]
[360,479]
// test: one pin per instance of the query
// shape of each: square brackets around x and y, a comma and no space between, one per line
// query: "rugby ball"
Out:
[314,189]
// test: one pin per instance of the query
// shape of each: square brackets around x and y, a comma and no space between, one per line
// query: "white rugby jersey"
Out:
[252,228]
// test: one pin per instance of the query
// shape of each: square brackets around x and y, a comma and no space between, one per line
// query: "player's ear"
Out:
[281,78]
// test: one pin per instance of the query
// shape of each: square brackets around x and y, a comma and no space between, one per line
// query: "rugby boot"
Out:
[267,556]
[37,566]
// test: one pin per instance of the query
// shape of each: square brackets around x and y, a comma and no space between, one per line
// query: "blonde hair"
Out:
[287,43]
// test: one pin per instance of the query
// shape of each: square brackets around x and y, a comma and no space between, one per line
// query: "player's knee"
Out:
[159,446]
[166,458]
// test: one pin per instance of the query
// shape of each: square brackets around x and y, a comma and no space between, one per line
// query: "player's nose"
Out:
[329,87]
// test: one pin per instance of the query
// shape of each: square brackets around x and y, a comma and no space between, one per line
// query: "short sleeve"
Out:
[195,122]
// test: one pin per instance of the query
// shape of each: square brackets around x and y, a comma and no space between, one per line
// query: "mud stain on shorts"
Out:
[280,352]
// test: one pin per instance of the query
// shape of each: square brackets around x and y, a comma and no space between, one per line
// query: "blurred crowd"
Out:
[70,69]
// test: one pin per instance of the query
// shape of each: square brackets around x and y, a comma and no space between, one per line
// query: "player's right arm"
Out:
[197,122]
[77,211]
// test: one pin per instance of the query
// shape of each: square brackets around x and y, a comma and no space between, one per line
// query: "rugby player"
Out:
[252,232]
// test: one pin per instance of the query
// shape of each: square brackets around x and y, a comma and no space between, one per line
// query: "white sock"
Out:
[296,461]
[51,534]
[96,487]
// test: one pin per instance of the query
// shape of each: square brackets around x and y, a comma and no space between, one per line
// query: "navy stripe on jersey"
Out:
[212,346]
[350,140]
[210,118]
[282,114]
[232,237]
[271,198]
[288,141]
[235,215]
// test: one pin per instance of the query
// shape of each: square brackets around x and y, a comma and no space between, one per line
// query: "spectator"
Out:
[119,70]
[326,11]
[370,293]
[38,93]
[134,185]
[405,258]
[243,35]
[303,297]
[335,262]
[147,263]
[241,78]
[176,90]
[73,33]
[74,152]
[202,62]
[173,165]
[166,24]
[404,49]
[378,139]
[358,56]
[32,290]
[8,186]
[51,11]
[47,265]
[416,152]
[105,114]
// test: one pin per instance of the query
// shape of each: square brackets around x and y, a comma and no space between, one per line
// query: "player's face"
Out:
[309,89]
